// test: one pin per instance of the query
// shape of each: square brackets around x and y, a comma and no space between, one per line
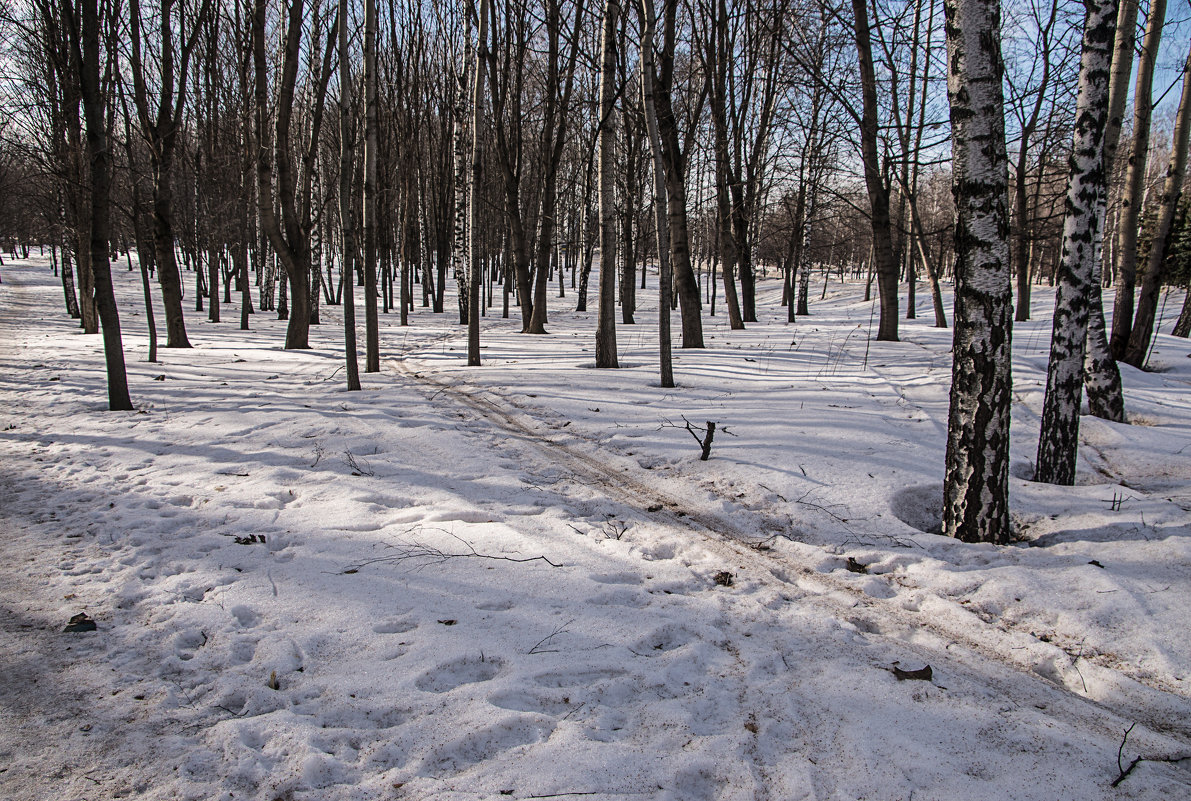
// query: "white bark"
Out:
[975,493]
[1059,437]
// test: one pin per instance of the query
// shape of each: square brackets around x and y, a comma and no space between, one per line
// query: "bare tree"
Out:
[161,129]
[976,486]
[292,245]
[347,222]
[1059,436]
[885,264]
[665,289]
[1155,271]
[475,275]
[606,316]
[1125,266]
[96,103]
[371,146]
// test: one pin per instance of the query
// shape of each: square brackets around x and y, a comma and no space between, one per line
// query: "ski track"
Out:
[854,600]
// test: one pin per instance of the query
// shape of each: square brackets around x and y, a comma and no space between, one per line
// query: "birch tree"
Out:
[1125,263]
[1058,441]
[976,486]
[1155,271]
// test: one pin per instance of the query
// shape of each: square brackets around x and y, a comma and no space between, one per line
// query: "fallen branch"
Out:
[538,649]
[429,555]
[357,469]
[1125,771]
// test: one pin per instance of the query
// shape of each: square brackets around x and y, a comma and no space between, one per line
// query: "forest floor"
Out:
[520,580]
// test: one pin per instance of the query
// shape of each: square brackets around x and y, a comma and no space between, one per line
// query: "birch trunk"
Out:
[1058,442]
[976,485]
[459,135]
[1125,266]
[1147,305]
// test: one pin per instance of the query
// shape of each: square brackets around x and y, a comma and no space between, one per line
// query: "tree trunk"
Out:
[459,144]
[371,321]
[476,275]
[680,251]
[606,315]
[1125,265]
[976,484]
[1058,441]
[659,194]
[346,222]
[885,264]
[95,109]
[1155,272]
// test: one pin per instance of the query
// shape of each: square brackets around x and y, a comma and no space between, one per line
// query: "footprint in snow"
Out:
[667,638]
[553,704]
[502,605]
[629,598]
[245,616]
[616,578]
[479,746]
[394,626]
[576,678]
[467,670]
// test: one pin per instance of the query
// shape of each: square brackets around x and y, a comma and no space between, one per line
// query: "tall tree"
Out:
[1155,270]
[161,129]
[475,269]
[675,147]
[293,192]
[976,486]
[885,263]
[95,108]
[1058,442]
[665,289]
[346,220]
[371,147]
[1125,266]
[606,314]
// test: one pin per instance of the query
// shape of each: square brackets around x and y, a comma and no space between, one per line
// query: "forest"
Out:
[679,463]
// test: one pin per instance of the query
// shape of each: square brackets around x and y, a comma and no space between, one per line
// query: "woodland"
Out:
[726,308]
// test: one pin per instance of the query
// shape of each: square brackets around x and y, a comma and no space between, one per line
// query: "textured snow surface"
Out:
[305,593]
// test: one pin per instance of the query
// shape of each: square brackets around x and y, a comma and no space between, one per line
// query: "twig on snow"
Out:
[538,649]
[429,555]
[1125,771]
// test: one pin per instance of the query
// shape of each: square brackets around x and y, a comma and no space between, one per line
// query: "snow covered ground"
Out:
[520,581]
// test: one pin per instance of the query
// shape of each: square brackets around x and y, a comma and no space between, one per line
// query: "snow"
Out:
[499,582]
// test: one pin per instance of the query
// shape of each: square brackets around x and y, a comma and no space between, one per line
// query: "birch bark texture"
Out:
[1058,441]
[1138,346]
[976,485]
